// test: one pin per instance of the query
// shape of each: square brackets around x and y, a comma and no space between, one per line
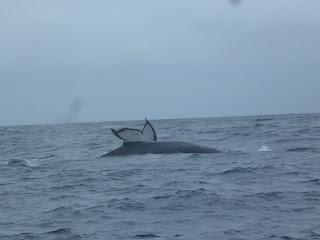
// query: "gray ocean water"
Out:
[264,185]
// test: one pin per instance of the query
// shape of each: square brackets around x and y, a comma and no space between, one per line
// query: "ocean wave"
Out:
[265,167]
[58,209]
[70,186]
[267,195]
[21,163]
[63,233]
[303,209]
[211,131]
[310,130]
[60,231]
[21,236]
[146,235]
[242,134]
[126,204]
[181,200]
[294,140]
[284,237]
[51,156]
[158,197]
[238,170]
[190,193]
[76,196]
[312,195]
[235,152]
[61,197]
[316,181]
[312,234]
[263,119]
[302,149]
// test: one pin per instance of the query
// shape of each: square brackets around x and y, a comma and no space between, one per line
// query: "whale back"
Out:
[160,147]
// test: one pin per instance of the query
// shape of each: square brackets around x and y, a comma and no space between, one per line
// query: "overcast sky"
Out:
[82,60]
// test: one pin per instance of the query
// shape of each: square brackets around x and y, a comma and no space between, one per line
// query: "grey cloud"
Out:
[162,59]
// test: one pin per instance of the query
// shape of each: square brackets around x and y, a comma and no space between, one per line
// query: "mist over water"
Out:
[53,185]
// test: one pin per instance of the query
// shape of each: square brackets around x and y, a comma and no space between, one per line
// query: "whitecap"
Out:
[21,163]
[264,148]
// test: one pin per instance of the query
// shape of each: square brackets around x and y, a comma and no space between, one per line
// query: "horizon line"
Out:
[157,119]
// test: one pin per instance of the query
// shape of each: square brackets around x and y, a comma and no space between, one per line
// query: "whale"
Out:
[138,142]
[160,147]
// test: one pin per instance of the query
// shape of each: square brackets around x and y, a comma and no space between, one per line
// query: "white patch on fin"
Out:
[132,135]
[148,132]
[128,134]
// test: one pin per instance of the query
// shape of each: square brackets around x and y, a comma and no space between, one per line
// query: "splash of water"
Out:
[264,148]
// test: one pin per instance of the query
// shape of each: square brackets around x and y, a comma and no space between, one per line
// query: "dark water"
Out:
[54,186]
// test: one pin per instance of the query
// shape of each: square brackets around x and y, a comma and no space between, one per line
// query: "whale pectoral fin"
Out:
[128,134]
[148,132]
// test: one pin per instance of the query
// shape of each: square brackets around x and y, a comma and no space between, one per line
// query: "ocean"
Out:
[265,183]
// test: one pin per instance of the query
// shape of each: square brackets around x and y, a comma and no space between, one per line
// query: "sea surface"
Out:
[265,184]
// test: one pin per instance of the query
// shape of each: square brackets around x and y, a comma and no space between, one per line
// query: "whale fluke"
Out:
[133,135]
[148,132]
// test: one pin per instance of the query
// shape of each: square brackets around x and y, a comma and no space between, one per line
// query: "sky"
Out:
[82,60]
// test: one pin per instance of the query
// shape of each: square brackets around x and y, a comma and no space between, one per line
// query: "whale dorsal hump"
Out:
[132,135]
